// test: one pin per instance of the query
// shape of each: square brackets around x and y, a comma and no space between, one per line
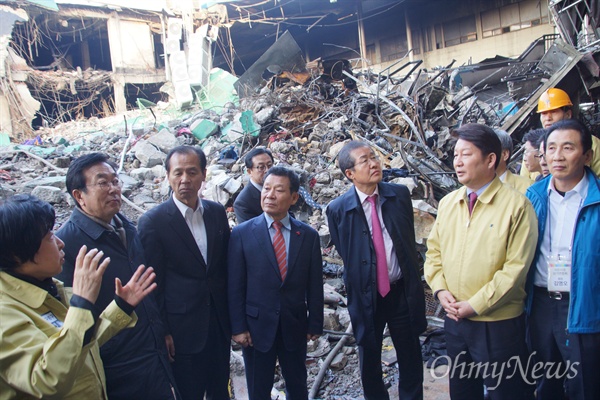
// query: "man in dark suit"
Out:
[275,289]
[247,204]
[185,240]
[380,270]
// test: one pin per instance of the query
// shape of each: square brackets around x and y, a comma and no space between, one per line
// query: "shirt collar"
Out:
[256,185]
[503,176]
[363,196]
[285,221]
[47,284]
[115,223]
[581,188]
[480,190]
[183,208]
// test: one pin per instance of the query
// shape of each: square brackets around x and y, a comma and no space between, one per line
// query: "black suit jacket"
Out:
[247,204]
[187,286]
[351,236]
[259,301]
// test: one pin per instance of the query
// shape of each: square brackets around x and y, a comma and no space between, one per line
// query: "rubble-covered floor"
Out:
[302,132]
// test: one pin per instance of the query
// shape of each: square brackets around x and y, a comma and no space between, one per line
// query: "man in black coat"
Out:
[185,239]
[372,228]
[247,204]
[135,360]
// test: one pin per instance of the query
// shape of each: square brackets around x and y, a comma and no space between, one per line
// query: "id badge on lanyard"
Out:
[559,273]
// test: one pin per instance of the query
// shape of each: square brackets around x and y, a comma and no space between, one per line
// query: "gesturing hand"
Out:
[139,286]
[87,277]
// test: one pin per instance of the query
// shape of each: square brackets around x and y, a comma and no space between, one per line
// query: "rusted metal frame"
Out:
[416,65]
[430,81]
[389,76]
[425,148]
[517,119]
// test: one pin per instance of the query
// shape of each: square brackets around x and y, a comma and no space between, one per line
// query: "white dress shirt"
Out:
[393,267]
[560,226]
[195,222]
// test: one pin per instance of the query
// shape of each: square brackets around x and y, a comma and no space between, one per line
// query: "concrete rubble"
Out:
[305,131]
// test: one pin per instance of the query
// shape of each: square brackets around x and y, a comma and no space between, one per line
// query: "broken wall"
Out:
[509,45]
[131,46]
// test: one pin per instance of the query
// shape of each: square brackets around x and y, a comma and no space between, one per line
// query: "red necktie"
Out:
[472,200]
[383,279]
[279,247]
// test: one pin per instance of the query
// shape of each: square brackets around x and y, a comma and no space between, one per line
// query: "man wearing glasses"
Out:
[247,203]
[135,361]
[372,228]
[531,155]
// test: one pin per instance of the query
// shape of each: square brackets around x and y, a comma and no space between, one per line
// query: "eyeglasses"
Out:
[262,167]
[107,185]
[373,158]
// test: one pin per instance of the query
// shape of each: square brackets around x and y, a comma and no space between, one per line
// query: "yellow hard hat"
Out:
[553,99]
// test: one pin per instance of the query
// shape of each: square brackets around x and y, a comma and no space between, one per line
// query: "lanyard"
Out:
[550,224]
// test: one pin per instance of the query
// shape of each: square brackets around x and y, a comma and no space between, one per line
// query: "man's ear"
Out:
[295,197]
[492,161]
[77,195]
[588,156]
[349,173]
[505,155]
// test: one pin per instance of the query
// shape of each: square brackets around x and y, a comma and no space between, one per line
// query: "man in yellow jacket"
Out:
[478,255]
[48,349]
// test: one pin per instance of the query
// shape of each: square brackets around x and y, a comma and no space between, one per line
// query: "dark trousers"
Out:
[570,360]
[260,370]
[478,350]
[393,310]
[207,372]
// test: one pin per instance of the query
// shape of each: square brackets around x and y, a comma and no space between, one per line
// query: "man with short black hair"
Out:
[530,168]
[275,289]
[135,361]
[563,302]
[247,203]
[478,255]
[185,239]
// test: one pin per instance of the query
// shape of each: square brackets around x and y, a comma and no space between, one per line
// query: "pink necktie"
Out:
[279,247]
[472,200]
[383,279]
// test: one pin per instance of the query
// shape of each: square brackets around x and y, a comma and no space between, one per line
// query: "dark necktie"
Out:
[383,279]
[472,200]
[279,247]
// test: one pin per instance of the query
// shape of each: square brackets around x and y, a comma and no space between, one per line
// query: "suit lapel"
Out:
[297,235]
[260,231]
[178,224]
[211,231]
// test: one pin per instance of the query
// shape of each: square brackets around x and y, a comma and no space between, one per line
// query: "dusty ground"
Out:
[345,384]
